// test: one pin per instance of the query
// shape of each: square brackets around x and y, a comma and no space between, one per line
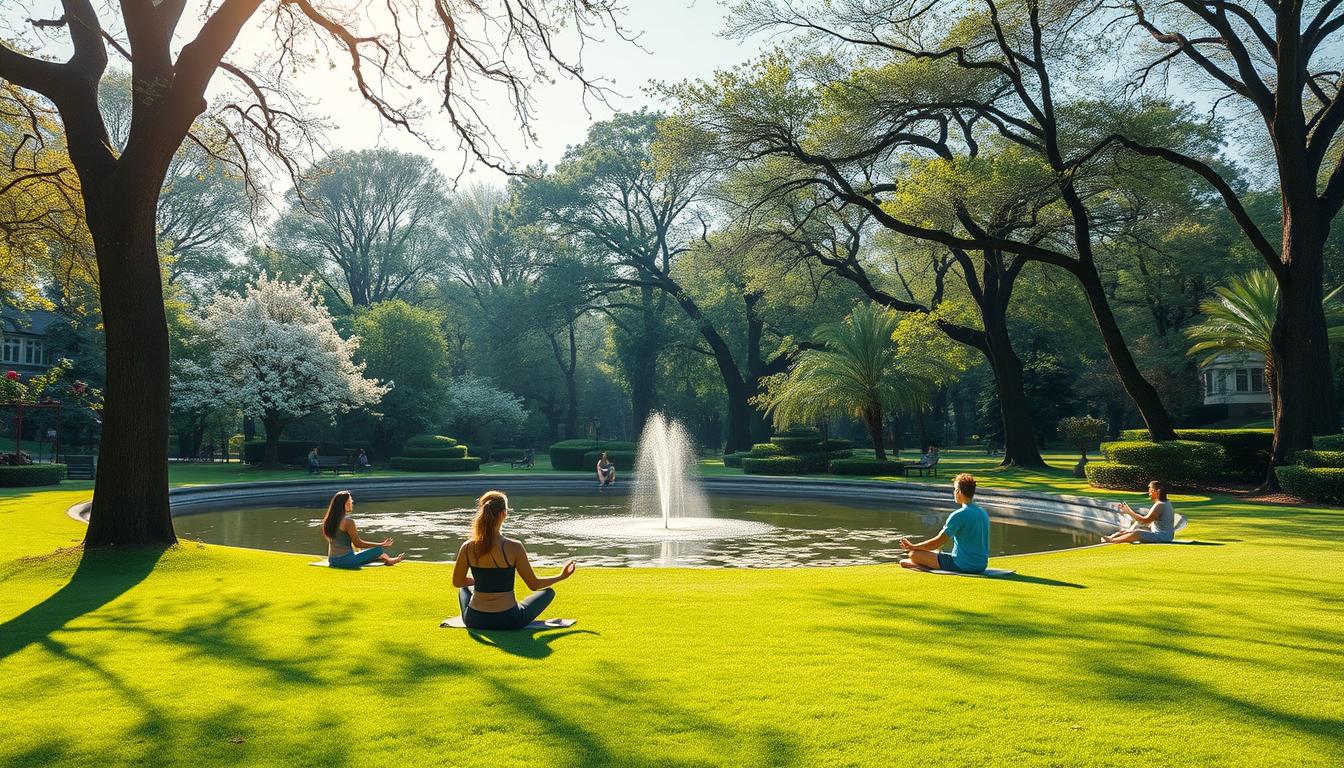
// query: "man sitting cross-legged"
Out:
[968,528]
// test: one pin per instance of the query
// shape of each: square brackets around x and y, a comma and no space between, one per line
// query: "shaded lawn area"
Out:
[1125,655]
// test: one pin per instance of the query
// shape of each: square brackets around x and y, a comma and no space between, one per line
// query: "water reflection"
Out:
[805,532]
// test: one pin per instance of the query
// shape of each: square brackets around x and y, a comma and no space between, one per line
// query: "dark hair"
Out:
[1161,488]
[331,522]
[966,484]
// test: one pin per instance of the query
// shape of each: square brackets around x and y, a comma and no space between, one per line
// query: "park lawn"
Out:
[1227,654]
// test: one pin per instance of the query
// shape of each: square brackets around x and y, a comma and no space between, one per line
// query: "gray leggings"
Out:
[517,617]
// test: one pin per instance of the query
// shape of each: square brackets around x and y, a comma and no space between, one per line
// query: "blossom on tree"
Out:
[275,355]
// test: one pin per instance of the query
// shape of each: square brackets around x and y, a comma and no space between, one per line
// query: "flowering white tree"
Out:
[275,355]
[482,410]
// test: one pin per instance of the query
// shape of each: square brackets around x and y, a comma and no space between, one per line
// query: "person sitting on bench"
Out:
[486,596]
[606,471]
[342,537]
[1156,526]
[968,528]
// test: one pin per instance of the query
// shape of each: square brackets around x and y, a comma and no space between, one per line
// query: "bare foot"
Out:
[395,560]
[911,564]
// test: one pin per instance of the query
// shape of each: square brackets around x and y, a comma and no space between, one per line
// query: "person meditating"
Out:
[486,596]
[1156,526]
[968,527]
[606,471]
[343,536]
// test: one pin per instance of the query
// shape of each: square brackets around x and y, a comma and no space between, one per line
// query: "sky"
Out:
[676,40]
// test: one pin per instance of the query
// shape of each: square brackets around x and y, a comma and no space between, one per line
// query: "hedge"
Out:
[1323,484]
[821,462]
[734,460]
[796,445]
[866,467]
[296,451]
[1177,461]
[446,452]
[837,444]
[1328,442]
[23,475]
[767,449]
[1246,451]
[430,441]
[1123,477]
[417,464]
[569,454]
[1321,459]
[624,460]
[773,465]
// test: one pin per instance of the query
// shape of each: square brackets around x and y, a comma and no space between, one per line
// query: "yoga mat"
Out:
[988,573]
[456,623]
[325,564]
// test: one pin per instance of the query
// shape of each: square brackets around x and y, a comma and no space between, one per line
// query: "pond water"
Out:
[772,532]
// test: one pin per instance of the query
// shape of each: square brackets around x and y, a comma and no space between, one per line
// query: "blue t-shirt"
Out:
[969,529]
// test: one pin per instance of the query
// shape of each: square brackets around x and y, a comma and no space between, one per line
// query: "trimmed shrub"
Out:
[766,449]
[1321,459]
[24,475]
[773,465]
[796,445]
[837,444]
[446,452]
[1122,477]
[1323,484]
[624,460]
[734,460]
[1178,461]
[821,462]
[296,451]
[1246,451]
[417,464]
[1328,442]
[866,467]
[569,454]
[430,441]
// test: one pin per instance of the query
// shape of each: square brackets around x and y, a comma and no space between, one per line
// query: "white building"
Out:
[1237,380]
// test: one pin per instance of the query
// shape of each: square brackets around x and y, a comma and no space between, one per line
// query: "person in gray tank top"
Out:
[1156,526]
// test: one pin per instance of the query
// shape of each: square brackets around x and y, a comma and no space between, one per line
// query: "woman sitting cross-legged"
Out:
[1156,526]
[343,536]
[486,596]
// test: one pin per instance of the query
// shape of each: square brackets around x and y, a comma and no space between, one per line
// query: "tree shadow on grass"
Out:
[100,578]
[1025,579]
[529,644]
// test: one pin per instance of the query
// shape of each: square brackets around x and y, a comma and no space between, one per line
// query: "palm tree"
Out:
[855,370]
[1239,318]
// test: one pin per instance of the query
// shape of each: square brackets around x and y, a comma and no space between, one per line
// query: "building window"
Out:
[1243,380]
[9,351]
[1208,383]
[1257,380]
[34,352]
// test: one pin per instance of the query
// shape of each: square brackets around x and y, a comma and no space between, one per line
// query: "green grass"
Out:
[1128,655]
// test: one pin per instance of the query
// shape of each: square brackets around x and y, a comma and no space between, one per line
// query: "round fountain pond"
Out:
[779,530]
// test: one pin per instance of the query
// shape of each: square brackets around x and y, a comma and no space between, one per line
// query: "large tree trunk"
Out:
[1303,380]
[271,457]
[1144,395]
[130,494]
[872,418]
[1020,444]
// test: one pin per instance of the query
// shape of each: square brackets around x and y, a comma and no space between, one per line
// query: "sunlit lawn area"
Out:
[1131,655]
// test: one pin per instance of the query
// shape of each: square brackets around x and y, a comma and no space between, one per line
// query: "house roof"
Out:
[29,321]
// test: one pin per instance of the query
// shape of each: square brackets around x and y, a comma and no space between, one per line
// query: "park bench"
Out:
[337,465]
[80,467]
[926,464]
[527,460]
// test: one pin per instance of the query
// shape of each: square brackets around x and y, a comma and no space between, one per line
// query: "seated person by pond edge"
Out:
[606,471]
[1160,520]
[486,596]
[343,536]
[967,527]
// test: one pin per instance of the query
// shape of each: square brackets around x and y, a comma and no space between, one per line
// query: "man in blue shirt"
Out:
[968,528]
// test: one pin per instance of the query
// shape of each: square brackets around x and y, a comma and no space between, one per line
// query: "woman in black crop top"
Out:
[486,596]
